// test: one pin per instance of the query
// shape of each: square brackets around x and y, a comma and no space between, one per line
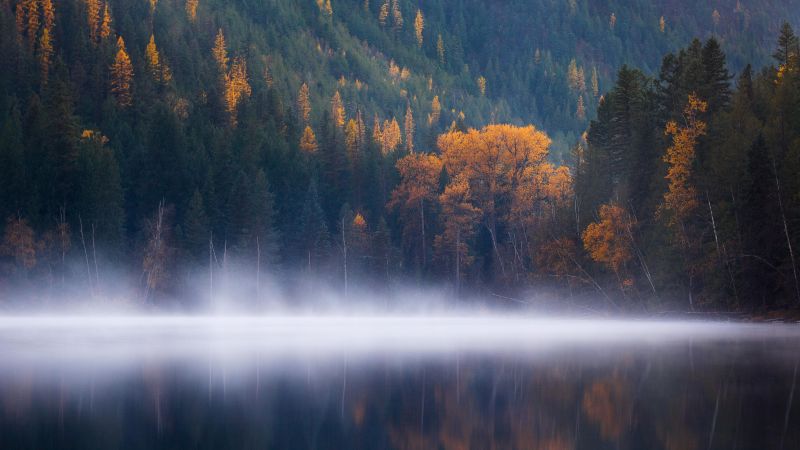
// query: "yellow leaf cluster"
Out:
[608,241]
[680,200]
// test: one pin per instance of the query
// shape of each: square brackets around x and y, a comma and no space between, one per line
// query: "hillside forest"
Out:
[639,157]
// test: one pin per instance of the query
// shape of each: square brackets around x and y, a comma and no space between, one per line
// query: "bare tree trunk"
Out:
[422,222]
[94,257]
[458,262]
[211,268]
[786,232]
[344,254]
[496,250]
[86,257]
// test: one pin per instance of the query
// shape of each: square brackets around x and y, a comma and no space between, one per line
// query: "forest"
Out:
[377,143]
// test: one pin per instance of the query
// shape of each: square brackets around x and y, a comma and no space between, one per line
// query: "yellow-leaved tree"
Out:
[609,241]
[419,184]
[681,199]
[156,65]
[304,104]
[122,76]
[419,26]
[308,142]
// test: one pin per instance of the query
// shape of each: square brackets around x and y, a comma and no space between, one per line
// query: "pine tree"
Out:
[436,111]
[409,129]
[220,53]
[337,110]
[481,85]
[788,46]
[397,16]
[237,87]
[122,76]
[308,142]
[716,89]
[48,14]
[105,25]
[45,54]
[440,49]
[662,24]
[304,104]
[419,26]
[158,68]
[93,18]
[580,112]
[383,14]
[191,9]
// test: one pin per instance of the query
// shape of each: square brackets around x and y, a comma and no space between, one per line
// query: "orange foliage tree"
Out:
[499,163]
[609,241]
[419,183]
[122,76]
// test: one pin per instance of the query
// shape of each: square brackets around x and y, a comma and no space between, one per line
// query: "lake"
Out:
[372,382]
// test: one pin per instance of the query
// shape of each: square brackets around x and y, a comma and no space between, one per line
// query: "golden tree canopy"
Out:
[122,76]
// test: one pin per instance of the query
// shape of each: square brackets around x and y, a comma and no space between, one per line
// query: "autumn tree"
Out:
[191,9]
[156,65]
[481,85]
[237,87]
[308,142]
[494,161]
[681,199]
[93,18]
[304,104]
[409,129]
[122,76]
[45,54]
[337,110]
[419,183]
[440,49]
[397,16]
[609,241]
[436,111]
[459,216]
[419,26]
[220,53]
[383,14]
[105,23]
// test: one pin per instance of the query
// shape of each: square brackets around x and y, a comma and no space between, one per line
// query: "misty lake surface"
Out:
[396,383]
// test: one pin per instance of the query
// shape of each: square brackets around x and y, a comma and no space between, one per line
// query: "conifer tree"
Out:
[93,18]
[383,14]
[105,24]
[191,9]
[409,129]
[304,104]
[436,111]
[419,26]
[220,53]
[45,54]
[337,110]
[397,16]
[440,49]
[788,45]
[308,142]
[158,68]
[122,76]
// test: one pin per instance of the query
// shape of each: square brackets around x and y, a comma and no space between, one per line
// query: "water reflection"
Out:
[682,394]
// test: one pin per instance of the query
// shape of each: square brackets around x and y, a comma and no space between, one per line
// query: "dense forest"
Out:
[379,143]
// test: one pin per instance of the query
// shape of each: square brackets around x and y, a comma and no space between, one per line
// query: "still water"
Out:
[396,383]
